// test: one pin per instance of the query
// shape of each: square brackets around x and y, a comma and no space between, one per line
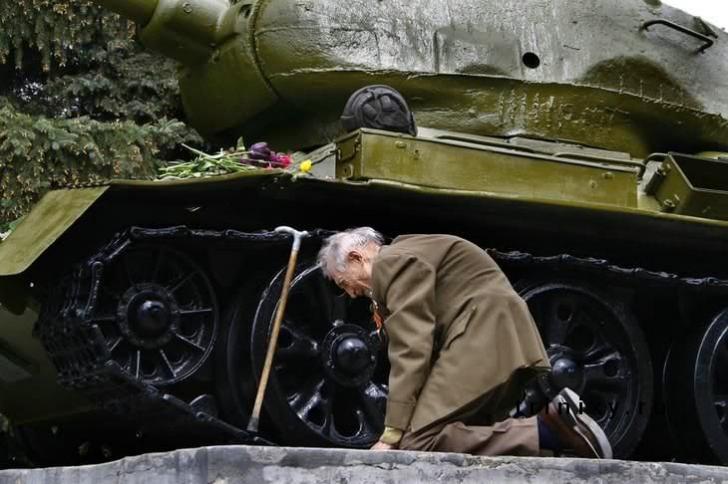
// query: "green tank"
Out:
[583,144]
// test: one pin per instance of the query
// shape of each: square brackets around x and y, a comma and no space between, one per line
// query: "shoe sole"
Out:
[598,440]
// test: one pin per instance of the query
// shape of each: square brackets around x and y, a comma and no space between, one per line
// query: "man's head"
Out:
[346,258]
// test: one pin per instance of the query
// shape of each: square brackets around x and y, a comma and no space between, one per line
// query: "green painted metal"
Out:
[37,394]
[48,220]
[465,165]
[233,82]
[221,79]
[240,180]
[185,30]
[282,70]
[450,149]
[692,185]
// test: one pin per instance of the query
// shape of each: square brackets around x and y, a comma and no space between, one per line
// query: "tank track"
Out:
[511,258]
[624,275]
[77,347]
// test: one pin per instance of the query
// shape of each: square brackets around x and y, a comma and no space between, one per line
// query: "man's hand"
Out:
[382,446]
[389,439]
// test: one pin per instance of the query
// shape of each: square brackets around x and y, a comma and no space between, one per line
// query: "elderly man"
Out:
[462,347]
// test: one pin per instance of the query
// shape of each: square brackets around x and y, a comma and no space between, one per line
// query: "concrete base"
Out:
[257,465]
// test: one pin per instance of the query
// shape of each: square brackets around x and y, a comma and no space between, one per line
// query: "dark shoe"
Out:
[574,428]
[533,401]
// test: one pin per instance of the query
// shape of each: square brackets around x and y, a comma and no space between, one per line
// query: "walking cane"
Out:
[264,376]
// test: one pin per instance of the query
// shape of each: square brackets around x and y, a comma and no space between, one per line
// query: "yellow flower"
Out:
[306,166]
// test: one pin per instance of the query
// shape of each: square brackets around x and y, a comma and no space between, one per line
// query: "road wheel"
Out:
[328,383]
[597,349]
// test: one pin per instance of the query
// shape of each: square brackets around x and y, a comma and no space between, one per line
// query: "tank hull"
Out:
[201,224]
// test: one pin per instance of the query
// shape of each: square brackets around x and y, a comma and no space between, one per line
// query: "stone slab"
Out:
[258,465]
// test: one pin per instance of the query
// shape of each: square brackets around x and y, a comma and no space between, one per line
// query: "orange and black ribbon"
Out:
[376,316]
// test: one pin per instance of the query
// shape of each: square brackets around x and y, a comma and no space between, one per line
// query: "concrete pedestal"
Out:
[258,465]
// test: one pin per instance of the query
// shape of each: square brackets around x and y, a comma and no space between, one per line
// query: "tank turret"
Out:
[619,75]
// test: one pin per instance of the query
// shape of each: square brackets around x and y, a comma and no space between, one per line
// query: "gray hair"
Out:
[336,247]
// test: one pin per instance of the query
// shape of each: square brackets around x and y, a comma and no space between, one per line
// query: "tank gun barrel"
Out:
[221,82]
[140,11]
[185,30]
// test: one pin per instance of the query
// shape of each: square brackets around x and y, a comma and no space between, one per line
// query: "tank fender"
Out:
[50,218]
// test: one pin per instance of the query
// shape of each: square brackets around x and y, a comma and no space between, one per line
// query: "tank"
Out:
[584,145]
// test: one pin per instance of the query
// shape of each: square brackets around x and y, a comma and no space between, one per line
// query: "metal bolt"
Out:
[665,168]
[187,7]
[401,145]
[608,175]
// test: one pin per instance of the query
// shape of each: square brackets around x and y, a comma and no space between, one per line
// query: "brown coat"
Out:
[457,330]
